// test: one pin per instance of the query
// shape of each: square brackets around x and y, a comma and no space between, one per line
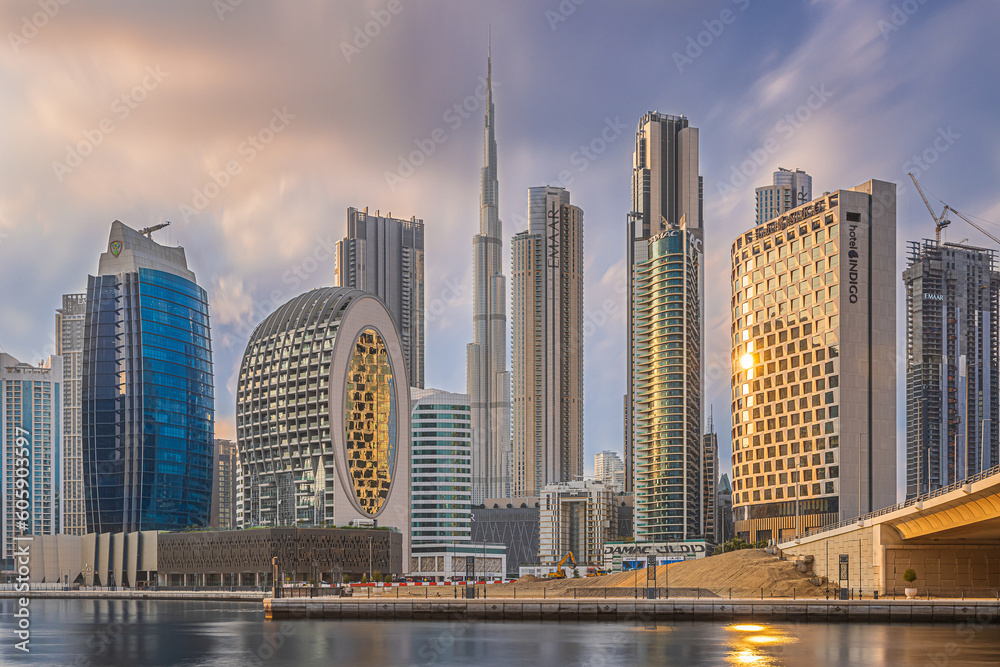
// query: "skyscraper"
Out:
[547,343]
[609,469]
[952,373]
[663,448]
[487,376]
[69,345]
[225,474]
[148,393]
[791,187]
[384,256]
[441,468]
[710,483]
[667,390]
[31,441]
[814,364]
[322,415]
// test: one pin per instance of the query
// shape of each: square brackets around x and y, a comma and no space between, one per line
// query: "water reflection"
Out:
[167,633]
[753,644]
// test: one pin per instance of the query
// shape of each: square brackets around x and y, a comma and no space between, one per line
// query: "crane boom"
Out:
[940,222]
[148,231]
[966,218]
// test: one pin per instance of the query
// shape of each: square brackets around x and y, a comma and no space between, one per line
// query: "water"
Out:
[166,632]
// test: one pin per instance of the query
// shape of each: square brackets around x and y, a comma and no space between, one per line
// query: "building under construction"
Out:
[951,363]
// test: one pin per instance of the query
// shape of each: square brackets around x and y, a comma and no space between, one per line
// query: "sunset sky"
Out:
[254,125]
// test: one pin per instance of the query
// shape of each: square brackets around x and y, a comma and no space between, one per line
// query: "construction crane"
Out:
[940,222]
[966,218]
[148,231]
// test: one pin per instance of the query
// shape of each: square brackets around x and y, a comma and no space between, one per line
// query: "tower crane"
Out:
[148,231]
[966,218]
[940,222]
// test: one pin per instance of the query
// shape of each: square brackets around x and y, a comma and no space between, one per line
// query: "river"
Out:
[197,633]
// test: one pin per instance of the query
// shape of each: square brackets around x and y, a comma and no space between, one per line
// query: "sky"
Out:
[252,126]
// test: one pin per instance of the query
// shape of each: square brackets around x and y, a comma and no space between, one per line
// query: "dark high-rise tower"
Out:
[148,396]
[952,372]
[384,256]
[487,376]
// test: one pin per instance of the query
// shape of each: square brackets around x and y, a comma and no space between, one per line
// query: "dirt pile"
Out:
[745,572]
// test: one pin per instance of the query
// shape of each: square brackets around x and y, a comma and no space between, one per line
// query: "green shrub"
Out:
[909,576]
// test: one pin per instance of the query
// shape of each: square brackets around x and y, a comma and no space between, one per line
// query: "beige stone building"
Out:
[547,345]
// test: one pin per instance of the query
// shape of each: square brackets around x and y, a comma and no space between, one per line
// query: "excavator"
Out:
[560,573]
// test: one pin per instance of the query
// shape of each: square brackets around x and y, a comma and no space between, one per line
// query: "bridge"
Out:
[950,537]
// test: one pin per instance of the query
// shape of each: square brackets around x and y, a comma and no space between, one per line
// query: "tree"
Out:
[576,573]
[377,575]
[737,544]
[388,578]
[364,578]
[347,578]
[909,576]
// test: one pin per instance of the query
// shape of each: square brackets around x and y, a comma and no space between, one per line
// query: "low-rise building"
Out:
[576,517]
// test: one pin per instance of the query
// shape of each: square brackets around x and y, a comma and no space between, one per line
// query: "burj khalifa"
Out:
[487,377]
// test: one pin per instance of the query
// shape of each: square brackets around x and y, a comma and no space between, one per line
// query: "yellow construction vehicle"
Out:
[559,573]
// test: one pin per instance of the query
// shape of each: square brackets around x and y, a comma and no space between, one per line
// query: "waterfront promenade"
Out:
[626,609]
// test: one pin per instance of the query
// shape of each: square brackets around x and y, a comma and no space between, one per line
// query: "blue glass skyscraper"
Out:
[148,394]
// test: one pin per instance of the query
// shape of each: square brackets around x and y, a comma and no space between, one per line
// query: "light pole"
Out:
[369,558]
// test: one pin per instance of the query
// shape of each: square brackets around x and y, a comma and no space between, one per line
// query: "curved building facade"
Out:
[667,390]
[147,412]
[322,417]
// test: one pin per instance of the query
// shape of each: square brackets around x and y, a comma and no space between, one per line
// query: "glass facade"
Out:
[31,413]
[148,403]
[370,415]
[441,467]
[668,457]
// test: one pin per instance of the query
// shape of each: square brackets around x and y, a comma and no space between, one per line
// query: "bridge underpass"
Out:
[949,537]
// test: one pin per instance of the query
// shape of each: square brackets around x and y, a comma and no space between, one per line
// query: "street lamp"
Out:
[369,558]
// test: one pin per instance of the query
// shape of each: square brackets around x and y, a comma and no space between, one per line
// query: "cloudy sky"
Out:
[253,125]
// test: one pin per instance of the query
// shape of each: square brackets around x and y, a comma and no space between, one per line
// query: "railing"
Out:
[954,486]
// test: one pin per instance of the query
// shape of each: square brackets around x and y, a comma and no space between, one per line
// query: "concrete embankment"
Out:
[219,596]
[771,611]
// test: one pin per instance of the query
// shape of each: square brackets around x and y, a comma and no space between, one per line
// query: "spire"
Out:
[489,54]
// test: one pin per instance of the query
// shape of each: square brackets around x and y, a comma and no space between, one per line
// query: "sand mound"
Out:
[746,572]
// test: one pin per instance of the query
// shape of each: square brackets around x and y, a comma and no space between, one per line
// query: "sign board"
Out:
[470,577]
[622,556]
